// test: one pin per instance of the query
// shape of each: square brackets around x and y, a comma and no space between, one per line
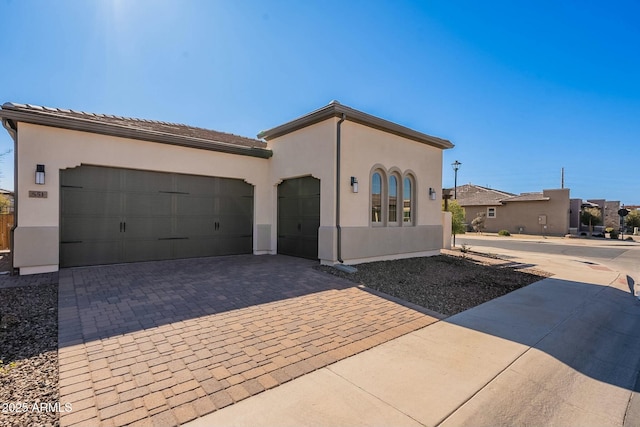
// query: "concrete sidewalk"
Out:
[562,351]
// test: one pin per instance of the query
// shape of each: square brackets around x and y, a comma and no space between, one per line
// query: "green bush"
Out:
[609,229]
[613,234]
[504,233]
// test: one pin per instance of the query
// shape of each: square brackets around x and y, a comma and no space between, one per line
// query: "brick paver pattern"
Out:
[162,343]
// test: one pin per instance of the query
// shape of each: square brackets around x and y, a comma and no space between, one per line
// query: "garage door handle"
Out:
[299,226]
[123,227]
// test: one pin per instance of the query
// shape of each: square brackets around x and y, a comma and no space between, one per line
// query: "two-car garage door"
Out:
[111,215]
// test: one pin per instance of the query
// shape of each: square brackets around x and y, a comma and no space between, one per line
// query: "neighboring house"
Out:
[8,196]
[337,185]
[608,210]
[546,212]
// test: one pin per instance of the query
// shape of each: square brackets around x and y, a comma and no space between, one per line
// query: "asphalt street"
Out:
[623,256]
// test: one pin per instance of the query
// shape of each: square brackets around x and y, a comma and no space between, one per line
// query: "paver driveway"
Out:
[161,343]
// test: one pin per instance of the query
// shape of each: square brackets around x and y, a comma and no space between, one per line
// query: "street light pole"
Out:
[456,166]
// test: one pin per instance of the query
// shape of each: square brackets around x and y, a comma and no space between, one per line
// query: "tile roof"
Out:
[125,126]
[527,197]
[475,195]
[336,109]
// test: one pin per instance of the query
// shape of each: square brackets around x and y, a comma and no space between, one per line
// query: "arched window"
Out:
[393,199]
[376,198]
[407,201]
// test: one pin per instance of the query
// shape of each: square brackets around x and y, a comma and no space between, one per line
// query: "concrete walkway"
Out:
[563,351]
[162,343]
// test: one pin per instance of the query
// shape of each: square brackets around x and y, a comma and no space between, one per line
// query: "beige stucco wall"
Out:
[513,215]
[308,151]
[364,148]
[312,150]
[36,247]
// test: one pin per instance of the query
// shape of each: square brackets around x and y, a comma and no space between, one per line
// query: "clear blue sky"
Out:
[522,88]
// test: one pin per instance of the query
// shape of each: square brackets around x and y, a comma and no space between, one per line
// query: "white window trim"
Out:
[495,212]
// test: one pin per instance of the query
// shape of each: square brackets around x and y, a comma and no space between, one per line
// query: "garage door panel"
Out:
[92,178]
[235,187]
[288,207]
[135,250]
[231,225]
[234,245]
[310,206]
[147,204]
[236,205]
[89,228]
[289,226]
[196,185]
[288,246]
[147,182]
[188,226]
[195,205]
[89,253]
[147,227]
[197,247]
[83,202]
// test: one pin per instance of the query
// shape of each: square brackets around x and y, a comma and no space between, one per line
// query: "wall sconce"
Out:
[432,193]
[354,184]
[40,174]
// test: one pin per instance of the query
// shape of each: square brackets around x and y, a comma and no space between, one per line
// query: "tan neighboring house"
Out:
[337,185]
[546,212]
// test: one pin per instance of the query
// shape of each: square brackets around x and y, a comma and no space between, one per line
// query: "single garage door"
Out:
[111,215]
[299,217]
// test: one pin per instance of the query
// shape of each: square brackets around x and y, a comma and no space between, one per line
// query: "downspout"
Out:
[12,128]
[338,228]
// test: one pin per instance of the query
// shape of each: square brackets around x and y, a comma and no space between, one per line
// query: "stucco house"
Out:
[337,185]
[545,212]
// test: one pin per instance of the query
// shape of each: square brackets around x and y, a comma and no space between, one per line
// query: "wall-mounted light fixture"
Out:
[432,193]
[354,184]
[40,174]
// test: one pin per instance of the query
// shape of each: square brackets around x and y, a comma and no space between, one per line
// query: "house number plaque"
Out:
[38,194]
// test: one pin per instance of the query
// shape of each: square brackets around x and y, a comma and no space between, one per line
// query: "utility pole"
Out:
[562,179]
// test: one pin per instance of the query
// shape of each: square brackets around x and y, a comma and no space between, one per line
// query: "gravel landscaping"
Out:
[446,284]
[29,353]
[29,318]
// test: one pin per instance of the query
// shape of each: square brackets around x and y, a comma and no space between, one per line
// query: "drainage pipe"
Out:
[12,128]
[338,228]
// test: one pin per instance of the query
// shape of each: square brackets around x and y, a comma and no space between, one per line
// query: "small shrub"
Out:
[6,368]
[609,229]
[613,234]
[504,233]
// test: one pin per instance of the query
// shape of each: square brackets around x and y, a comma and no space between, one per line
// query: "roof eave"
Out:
[335,109]
[79,124]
